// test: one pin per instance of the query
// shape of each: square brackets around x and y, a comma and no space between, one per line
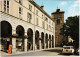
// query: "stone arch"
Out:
[6,34]
[52,41]
[42,41]
[6,29]
[30,39]
[20,38]
[49,41]
[20,30]
[37,39]
[46,40]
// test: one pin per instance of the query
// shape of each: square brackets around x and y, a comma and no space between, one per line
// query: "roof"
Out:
[36,5]
[58,11]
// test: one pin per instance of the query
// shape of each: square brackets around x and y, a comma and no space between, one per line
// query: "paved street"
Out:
[50,52]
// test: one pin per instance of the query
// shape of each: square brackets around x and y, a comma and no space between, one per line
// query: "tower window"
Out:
[58,21]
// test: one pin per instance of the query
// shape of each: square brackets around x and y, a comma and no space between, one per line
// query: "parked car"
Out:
[68,49]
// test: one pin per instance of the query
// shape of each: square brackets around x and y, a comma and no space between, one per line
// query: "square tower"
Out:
[58,18]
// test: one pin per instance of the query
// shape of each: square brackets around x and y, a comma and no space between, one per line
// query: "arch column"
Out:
[54,40]
[54,35]
[40,42]
[33,41]
[44,41]
[51,42]
[13,42]
[25,42]
[48,42]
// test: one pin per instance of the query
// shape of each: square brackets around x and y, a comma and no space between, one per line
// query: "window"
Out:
[37,21]
[20,1]
[47,26]
[49,21]
[52,23]
[42,24]
[58,21]
[52,29]
[46,19]
[36,12]
[42,16]
[20,12]
[29,17]
[6,6]
[30,7]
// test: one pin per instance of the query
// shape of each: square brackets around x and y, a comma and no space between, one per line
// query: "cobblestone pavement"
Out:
[50,52]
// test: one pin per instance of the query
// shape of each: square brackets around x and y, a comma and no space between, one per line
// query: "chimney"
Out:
[42,7]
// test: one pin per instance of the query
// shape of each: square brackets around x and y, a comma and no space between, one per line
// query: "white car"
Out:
[68,49]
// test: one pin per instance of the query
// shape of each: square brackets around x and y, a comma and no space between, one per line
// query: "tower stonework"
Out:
[58,18]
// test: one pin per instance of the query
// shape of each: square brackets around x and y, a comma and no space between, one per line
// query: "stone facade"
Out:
[22,29]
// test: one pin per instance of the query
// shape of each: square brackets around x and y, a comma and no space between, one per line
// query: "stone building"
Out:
[58,18]
[26,26]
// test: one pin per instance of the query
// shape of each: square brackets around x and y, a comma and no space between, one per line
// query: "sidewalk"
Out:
[7,54]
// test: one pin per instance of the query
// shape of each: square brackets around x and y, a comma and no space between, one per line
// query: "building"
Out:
[26,26]
[58,18]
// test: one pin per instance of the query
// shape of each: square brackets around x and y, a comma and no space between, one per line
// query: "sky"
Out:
[71,8]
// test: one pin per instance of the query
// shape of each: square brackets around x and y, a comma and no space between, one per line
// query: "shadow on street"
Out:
[67,54]
[64,54]
[54,50]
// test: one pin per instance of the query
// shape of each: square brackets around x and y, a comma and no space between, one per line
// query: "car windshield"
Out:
[66,47]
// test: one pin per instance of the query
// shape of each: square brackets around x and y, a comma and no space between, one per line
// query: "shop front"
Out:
[6,35]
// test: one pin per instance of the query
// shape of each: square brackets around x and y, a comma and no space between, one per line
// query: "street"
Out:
[50,52]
